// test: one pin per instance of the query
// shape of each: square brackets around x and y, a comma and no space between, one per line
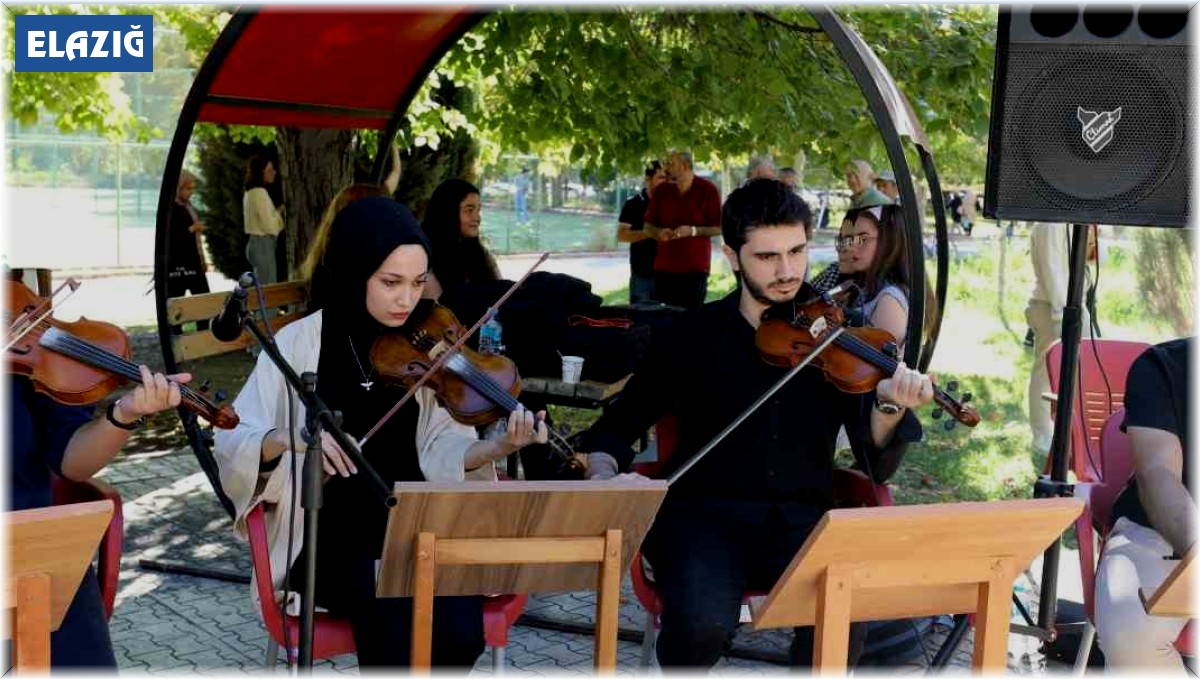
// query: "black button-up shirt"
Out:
[707,371]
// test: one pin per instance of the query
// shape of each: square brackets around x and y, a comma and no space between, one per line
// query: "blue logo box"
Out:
[69,43]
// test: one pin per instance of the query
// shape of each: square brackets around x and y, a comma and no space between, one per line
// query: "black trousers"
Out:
[686,290]
[383,627]
[178,286]
[706,553]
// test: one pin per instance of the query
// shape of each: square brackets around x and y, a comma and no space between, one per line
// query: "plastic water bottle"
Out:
[491,337]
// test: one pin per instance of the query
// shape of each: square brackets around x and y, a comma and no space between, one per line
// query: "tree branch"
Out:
[796,28]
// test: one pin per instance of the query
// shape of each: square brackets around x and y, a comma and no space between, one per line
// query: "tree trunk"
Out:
[313,166]
[559,189]
[1164,273]
[800,165]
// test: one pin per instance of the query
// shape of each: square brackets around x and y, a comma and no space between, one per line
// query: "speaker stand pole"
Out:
[1056,485]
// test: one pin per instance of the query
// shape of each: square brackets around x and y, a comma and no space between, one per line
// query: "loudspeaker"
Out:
[1091,116]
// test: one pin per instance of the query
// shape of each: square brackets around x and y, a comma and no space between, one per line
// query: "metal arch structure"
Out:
[390,54]
[894,118]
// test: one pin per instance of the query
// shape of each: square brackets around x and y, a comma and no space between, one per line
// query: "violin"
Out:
[81,362]
[855,362]
[476,389]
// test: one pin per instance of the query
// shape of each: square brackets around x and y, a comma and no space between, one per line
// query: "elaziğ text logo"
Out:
[1098,127]
[60,43]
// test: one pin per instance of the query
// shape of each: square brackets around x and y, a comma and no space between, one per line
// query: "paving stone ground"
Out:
[166,623]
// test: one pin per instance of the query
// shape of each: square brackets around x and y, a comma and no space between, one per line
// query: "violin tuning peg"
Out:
[220,395]
[948,425]
[203,388]
[937,413]
[966,397]
[206,435]
[952,385]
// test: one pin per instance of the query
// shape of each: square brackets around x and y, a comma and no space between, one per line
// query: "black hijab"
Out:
[362,236]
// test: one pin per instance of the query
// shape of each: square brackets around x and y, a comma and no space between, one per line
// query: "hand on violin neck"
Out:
[524,428]
[156,393]
[906,388]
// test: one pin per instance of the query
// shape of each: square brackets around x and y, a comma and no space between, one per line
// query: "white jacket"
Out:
[441,446]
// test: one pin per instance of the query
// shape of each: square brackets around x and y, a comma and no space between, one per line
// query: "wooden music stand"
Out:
[1174,597]
[537,536]
[915,560]
[49,550]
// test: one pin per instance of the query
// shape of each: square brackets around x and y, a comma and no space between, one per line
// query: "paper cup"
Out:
[572,368]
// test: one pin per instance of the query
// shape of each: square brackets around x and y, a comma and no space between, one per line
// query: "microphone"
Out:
[227,325]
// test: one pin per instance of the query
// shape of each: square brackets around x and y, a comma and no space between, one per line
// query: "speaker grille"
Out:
[1049,172]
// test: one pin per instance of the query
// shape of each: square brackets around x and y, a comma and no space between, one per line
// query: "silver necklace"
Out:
[366,383]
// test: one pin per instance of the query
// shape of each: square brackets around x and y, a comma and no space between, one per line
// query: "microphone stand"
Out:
[1056,484]
[318,418]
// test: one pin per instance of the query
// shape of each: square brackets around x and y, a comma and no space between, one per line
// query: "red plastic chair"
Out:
[108,566]
[851,488]
[333,636]
[1093,404]
[1093,525]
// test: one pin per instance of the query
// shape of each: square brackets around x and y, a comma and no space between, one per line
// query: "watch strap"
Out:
[110,414]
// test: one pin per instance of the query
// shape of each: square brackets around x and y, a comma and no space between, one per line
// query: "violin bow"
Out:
[824,344]
[44,308]
[441,359]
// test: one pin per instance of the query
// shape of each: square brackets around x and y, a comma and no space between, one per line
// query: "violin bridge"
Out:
[437,350]
[817,327]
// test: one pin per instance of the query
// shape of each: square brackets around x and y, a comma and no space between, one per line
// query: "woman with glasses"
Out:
[871,249]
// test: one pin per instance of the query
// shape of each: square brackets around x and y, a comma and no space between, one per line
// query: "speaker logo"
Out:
[1098,127]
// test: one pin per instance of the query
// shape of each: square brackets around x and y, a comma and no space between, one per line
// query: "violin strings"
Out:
[865,351]
[882,360]
[491,390]
[498,395]
[502,398]
[119,365]
[88,352]
[870,353]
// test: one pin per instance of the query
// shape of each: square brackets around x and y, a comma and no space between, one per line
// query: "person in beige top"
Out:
[378,261]
[261,220]
[1050,250]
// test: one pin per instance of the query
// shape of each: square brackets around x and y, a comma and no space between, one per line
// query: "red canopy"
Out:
[350,68]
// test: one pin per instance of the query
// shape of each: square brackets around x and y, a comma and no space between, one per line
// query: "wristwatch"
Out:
[132,426]
[888,408]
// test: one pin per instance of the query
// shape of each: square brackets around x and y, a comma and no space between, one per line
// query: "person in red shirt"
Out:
[684,214]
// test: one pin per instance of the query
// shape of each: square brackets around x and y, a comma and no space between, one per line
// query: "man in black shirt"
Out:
[735,520]
[1154,517]
[642,246]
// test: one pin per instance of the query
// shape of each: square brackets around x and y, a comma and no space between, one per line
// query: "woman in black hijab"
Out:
[378,261]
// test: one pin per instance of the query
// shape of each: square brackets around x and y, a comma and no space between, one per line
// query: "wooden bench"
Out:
[585,394]
[201,343]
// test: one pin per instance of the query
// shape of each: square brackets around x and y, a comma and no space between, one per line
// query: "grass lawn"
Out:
[980,346]
[549,231]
